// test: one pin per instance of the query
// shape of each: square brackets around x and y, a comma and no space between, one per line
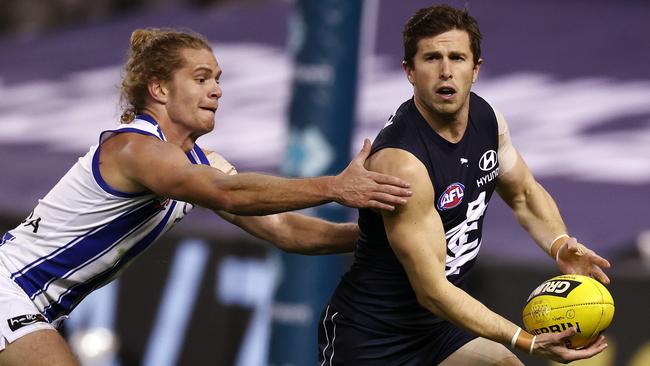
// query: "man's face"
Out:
[194,91]
[443,72]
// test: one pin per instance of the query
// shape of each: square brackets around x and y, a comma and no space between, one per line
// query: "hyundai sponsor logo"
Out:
[488,161]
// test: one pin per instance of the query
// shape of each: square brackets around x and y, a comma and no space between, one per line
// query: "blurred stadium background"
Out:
[571,77]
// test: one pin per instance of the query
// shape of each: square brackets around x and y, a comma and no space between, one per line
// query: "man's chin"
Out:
[206,125]
[447,109]
[209,126]
[209,119]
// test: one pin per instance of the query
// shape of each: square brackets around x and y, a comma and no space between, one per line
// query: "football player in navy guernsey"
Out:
[402,301]
[142,178]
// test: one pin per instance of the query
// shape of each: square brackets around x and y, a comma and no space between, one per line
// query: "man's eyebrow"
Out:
[203,68]
[430,53]
[451,53]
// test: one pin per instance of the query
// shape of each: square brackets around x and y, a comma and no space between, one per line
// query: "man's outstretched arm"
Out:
[297,233]
[164,169]
[538,214]
[291,232]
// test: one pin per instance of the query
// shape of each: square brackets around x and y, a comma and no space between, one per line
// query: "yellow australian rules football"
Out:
[570,301]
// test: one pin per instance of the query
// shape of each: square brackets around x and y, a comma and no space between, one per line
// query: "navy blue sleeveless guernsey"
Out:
[375,293]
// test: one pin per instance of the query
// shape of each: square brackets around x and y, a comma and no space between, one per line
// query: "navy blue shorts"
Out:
[344,342]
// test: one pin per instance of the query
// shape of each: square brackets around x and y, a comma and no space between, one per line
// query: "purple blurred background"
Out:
[571,78]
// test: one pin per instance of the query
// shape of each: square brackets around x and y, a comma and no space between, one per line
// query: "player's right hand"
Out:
[553,346]
[360,188]
[575,258]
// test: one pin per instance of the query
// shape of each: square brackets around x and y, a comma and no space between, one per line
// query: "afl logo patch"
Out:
[488,161]
[451,197]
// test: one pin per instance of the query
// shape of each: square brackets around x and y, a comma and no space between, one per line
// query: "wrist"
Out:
[328,187]
[523,341]
[556,245]
[513,341]
[532,345]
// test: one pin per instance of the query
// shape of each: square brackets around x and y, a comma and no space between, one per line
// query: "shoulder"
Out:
[500,119]
[138,126]
[398,162]
[402,115]
[399,130]
[402,164]
[477,101]
[133,142]
[480,107]
[134,148]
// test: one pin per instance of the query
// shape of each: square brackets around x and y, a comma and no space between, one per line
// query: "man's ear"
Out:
[158,91]
[408,71]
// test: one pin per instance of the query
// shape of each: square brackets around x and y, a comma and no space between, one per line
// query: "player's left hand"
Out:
[553,346]
[575,258]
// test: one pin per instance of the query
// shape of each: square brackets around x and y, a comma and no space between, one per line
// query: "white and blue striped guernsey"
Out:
[83,232]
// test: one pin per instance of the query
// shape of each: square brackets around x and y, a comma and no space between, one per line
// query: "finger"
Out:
[388,198]
[392,190]
[365,151]
[593,349]
[574,247]
[389,179]
[567,333]
[380,205]
[577,251]
[600,340]
[599,261]
[599,275]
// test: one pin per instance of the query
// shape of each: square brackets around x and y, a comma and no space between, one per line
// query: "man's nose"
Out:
[216,91]
[445,69]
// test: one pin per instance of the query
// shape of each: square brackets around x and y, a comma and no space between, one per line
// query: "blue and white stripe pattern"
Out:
[88,231]
[6,237]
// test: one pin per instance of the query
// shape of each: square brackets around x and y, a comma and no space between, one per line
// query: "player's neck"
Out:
[174,133]
[451,127]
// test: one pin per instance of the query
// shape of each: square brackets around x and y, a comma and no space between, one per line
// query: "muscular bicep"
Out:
[163,168]
[414,230]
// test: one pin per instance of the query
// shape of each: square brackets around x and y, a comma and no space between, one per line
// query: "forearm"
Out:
[455,305]
[257,194]
[538,214]
[423,258]
[533,207]
[310,235]
[298,233]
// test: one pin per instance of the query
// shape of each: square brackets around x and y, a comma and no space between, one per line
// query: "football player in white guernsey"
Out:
[143,177]
[442,61]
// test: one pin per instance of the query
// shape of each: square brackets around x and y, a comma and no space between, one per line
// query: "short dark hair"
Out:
[435,20]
